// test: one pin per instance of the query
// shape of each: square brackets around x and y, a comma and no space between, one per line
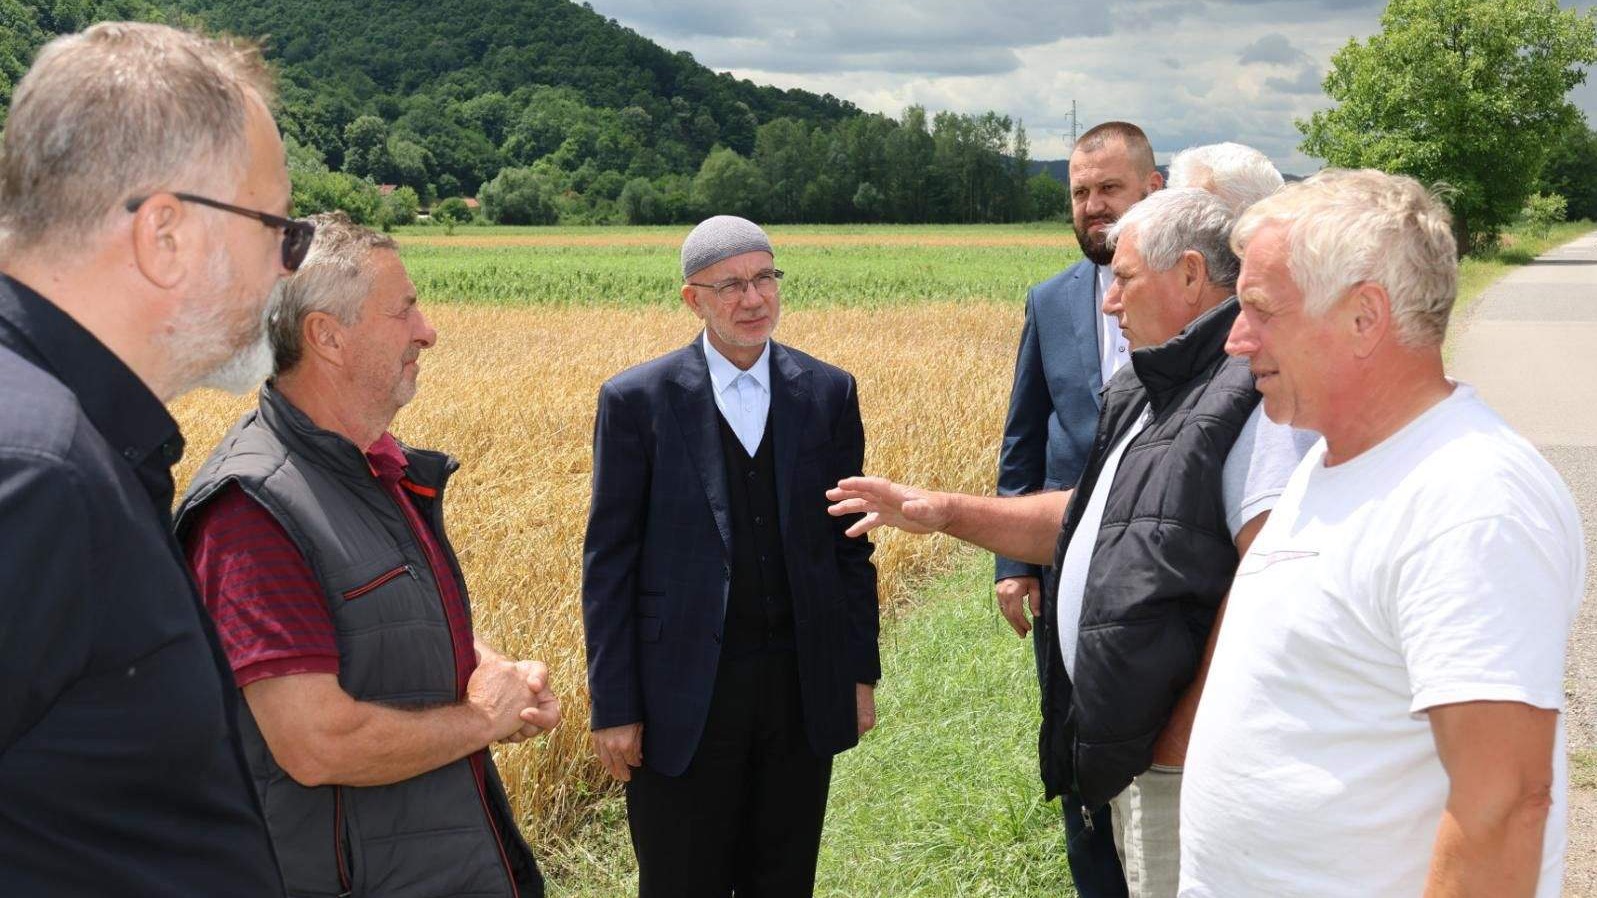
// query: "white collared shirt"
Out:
[744,397]
[1113,350]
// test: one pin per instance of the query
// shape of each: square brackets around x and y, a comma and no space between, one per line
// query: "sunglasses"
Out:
[297,233]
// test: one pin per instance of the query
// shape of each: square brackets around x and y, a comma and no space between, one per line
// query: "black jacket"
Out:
[1161,564]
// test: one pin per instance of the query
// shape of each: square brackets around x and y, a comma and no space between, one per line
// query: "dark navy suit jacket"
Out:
[1054,403]
[656,563]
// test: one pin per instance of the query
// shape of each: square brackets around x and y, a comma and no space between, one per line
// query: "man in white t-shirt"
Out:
[1181,476]
[1382,714]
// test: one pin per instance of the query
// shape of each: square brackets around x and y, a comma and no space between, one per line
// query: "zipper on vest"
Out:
[493,828]
[387,577]
[344,878]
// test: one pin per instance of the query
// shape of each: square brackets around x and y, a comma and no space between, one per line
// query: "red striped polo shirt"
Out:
[270,612]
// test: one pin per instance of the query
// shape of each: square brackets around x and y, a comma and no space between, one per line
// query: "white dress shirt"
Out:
[744,397]
[1113,350]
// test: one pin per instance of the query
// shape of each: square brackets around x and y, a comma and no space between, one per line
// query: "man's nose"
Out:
[1111,298]
[1242,341]
[426,334]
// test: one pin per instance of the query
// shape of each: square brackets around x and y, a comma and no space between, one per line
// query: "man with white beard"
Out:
[142,200]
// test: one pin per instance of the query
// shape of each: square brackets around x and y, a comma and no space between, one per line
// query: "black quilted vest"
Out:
[427,836]
[1162,562]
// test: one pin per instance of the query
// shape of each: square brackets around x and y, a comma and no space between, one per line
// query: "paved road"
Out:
[1530,347]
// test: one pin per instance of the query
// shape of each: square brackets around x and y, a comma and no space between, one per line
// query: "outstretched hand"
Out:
[884,502]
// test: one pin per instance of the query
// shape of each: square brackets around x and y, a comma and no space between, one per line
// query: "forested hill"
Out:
[547,110]
[474,65]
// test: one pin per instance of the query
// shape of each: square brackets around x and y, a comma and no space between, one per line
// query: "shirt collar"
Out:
[387,460]
[723,372]
[120,406]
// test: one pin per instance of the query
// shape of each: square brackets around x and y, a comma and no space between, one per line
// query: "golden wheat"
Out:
[511,392]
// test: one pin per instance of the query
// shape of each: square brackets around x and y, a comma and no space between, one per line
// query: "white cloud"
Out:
[1189,72]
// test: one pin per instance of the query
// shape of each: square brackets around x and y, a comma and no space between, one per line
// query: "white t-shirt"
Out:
[1254,473]
[1443,565]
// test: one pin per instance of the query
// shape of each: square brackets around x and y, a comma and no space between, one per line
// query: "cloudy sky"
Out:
[1188,71]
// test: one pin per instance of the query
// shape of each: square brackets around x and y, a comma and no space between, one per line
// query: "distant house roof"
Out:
[471,203]
[386,189]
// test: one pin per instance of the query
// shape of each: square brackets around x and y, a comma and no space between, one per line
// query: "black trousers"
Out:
[745,818]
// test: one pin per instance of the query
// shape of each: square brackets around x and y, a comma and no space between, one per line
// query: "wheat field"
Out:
[511,392]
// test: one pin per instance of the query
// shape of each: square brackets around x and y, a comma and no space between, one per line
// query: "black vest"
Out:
[1161,564]
[759,604]
[429,835]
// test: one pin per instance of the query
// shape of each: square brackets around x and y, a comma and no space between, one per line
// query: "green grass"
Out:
[908,265]
[1583,770]
[942,799]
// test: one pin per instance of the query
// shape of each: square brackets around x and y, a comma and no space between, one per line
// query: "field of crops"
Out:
[531,322]
[855,266]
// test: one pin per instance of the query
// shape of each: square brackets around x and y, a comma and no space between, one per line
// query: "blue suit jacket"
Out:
[656,563]
[1054,403]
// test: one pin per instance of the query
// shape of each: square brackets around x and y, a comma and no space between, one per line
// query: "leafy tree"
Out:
[728,184]
[1049,198]
[451,212]
[783,154]
[640,202]
[520,196]
[326,191]
[868,200]
[1466,92]
[399,208]
[366,148]
[1571,170]
[1541,212]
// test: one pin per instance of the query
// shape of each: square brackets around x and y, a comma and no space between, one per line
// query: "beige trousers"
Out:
[1147,827]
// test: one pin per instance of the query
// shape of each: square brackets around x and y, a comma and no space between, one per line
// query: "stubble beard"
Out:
[213,341]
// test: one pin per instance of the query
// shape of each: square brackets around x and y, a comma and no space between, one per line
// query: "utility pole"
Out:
[1073,121]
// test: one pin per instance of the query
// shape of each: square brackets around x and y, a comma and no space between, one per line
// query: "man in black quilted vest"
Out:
[1181,475]
[317,541]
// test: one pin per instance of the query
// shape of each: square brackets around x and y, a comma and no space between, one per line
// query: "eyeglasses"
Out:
[766,282]
[297,233]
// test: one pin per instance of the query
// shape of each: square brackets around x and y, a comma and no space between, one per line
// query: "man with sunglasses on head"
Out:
[731,624]
[126,280]
[318,543]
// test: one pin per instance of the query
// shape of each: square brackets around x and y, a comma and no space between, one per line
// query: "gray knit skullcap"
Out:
[721,237]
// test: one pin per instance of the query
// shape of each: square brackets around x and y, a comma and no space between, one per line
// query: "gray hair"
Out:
[335,278]
[1350,226]
[1237,174]
[1173,221]
[120,110]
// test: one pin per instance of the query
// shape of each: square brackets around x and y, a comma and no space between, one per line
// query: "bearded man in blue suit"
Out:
[731,622]
[1068,350]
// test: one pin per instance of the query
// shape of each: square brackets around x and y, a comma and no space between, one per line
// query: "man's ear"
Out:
[159,241]
[1194,274]
[1370,315]
[690,298]
[323,335]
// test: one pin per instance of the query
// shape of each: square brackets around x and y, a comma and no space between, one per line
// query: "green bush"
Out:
[1541,212]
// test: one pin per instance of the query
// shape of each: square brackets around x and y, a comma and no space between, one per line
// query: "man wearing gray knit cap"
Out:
[731,623]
